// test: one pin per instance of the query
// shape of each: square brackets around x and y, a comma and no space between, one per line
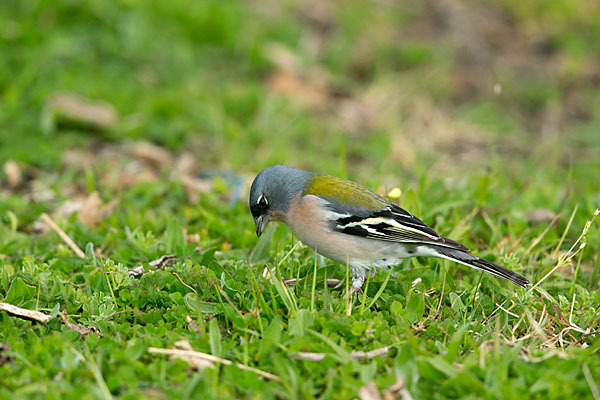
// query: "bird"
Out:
[350,224]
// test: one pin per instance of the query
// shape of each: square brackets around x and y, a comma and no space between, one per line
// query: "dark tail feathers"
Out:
[473,261]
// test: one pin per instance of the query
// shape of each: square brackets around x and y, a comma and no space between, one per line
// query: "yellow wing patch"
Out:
[343,191]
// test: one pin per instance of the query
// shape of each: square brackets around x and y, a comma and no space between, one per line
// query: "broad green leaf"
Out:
[19,292]
[271,337]
[214,337]
[193,303]
[440,365]
[173,237]
[300,322]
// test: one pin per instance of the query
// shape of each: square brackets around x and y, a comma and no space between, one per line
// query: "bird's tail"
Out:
[473,261]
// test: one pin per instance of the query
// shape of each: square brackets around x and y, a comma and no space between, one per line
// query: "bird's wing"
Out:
[394,224]
[355,210]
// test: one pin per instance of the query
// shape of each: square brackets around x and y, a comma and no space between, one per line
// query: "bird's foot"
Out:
[351,292]
[350,297]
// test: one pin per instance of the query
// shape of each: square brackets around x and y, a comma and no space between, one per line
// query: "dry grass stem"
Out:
[566,258]
[48,221]
[192,354]
[357,355]
[193,325]
[24,313]
[185,284]
[82,330]
[369,392]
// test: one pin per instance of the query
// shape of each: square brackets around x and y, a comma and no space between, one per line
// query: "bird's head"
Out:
[272,193]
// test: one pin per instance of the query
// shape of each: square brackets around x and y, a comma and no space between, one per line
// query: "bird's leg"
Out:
[351,292]
[350,295]
[358,278]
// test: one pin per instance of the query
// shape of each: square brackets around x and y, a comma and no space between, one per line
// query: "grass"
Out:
[489,132]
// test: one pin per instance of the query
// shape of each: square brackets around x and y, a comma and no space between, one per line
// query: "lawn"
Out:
[130,132]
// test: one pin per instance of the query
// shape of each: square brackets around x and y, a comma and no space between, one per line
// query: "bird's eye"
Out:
[262,202]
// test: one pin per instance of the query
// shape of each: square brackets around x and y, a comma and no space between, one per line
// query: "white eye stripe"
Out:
[262,198]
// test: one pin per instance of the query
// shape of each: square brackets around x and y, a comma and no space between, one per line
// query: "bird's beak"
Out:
[261,224]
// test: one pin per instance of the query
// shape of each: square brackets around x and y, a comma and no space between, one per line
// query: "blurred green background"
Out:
[406,88]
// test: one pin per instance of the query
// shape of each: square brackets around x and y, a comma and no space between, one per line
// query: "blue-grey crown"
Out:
[279,184]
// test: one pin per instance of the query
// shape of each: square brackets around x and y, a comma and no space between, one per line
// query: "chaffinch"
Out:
[352,225]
